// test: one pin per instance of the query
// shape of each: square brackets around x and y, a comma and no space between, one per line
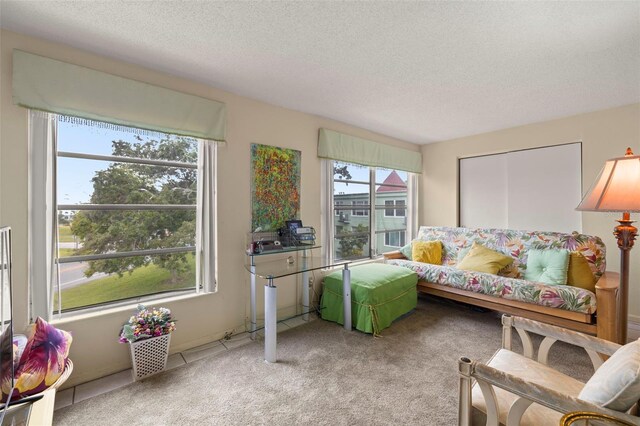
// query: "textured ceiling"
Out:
[418,71]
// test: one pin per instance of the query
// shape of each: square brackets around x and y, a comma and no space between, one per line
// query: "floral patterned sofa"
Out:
[562,305]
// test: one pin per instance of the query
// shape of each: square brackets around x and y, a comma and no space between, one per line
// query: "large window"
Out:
[379,224]
[126,219]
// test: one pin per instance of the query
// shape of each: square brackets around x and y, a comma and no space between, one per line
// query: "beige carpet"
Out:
[325,375]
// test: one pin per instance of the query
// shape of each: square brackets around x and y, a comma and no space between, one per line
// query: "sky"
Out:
[74,175]
[361,173]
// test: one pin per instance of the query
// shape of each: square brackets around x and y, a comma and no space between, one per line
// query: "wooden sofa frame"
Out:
[603,323]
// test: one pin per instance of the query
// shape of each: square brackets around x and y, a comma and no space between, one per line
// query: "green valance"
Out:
[351,149]
[49,85]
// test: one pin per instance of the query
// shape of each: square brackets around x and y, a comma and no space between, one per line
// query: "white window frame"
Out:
[401,235]
[410,208]
[44,210]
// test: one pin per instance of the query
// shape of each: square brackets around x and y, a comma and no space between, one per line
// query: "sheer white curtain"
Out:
[412,207]
[205,223]
[43,272]
[327,213]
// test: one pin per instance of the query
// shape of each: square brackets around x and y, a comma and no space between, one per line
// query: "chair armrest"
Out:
[585,341]
[397,254]
[537,393]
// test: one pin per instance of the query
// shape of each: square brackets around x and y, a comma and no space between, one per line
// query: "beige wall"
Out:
[95,351]
[604,134]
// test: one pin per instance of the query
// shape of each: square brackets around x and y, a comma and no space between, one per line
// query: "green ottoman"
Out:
[380,293]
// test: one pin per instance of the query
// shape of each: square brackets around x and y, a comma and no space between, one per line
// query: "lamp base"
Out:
[626,234]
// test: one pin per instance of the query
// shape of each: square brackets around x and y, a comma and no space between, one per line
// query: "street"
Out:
[72,274]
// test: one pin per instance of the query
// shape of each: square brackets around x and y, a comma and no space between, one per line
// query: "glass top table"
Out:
[293,261]
[290,266]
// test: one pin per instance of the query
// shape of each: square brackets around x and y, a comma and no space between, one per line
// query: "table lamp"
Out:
[617,189]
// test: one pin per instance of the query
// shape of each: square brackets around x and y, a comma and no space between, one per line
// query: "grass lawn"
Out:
[142,281]
[64,234]
[65,252]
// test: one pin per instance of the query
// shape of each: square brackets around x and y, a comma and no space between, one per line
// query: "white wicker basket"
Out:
[149,356]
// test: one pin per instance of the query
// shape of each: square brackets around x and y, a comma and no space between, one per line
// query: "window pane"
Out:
[351,241]
[395,239]
[100,231]
[350,172]
[351,233]
[391,177]
[92,139]
[156,171]
[82,181]
[146,275]
[391,224]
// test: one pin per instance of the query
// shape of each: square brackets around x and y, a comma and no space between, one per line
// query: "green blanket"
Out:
[380,293]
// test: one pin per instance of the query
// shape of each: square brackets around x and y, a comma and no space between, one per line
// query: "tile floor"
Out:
[114,381]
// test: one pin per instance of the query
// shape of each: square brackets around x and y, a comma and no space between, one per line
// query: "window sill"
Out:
[378,259]
[125,307]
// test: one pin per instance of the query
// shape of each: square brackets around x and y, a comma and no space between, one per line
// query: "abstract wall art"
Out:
[275,186]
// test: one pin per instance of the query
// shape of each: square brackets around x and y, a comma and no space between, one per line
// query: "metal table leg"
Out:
[254,323]
[270,321]
[305,287]
[346,296]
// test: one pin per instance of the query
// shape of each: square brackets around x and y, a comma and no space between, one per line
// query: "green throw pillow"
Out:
[548,266]
[406,251]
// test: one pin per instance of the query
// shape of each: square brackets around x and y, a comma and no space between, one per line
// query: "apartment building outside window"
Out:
[395,238]
[374,228]
[389,211]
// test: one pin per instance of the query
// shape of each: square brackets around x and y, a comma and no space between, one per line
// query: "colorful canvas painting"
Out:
[275,186]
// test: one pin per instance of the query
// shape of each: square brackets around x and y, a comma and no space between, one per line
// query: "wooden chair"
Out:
[513,389]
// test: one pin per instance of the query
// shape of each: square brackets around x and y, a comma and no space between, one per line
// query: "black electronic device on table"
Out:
[295,233]
[292,225]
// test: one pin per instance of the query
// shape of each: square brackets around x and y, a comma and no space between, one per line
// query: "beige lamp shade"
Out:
[617,188]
